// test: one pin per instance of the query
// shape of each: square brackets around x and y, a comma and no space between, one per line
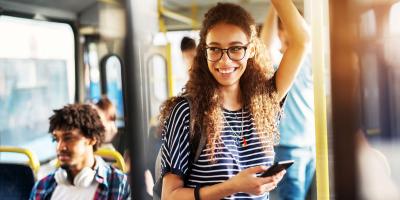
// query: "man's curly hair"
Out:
[79,116]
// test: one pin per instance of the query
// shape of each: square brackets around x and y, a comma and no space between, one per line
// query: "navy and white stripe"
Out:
[231,157]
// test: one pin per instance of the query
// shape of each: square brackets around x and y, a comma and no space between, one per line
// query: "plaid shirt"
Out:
[113,184]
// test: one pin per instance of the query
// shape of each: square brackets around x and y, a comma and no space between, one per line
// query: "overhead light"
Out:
[38,16]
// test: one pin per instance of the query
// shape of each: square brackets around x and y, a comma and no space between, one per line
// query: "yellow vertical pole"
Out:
[319,63]
[194,11]
[161,23]
[169,70]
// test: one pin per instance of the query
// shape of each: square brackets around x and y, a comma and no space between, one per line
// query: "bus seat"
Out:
[16,179]
[108,155]
[114,155]
[33,160]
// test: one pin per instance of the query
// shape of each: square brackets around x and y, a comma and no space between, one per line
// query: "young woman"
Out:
[235,96]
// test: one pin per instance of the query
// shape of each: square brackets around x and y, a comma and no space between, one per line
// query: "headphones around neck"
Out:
[83,179]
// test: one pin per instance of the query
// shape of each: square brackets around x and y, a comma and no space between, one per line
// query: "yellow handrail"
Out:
[109,153]
[176,16]
[321,134]
[33,160]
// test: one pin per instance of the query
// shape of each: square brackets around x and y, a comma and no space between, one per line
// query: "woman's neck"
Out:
[231,97]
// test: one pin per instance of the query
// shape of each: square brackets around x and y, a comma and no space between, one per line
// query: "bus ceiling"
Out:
[186,14]
[91,15]
[176,14]
[63,10]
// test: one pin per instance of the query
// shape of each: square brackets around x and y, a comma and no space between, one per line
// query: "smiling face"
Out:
[73,149]
[226,71]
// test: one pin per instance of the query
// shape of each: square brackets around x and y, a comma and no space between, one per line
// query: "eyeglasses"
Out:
[235,53]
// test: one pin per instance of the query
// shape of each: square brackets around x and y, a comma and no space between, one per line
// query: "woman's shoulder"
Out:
[181,108]
[182,104]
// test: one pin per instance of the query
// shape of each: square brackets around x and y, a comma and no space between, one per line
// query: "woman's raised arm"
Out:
[298,41]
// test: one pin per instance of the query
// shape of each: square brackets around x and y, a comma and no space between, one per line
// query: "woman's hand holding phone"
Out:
[277,167]
[272,181]
[247,180]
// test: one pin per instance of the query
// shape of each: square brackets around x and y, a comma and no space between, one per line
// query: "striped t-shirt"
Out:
[231,156]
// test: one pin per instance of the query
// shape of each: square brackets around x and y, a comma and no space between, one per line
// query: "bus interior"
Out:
[54,53]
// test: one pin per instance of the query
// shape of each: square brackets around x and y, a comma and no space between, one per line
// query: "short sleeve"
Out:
[175,148]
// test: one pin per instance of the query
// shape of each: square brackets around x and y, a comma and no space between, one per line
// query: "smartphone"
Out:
[277,167]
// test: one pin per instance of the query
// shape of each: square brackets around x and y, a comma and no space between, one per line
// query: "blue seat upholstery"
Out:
[16,181]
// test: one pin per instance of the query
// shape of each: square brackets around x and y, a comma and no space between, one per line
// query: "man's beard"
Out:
[65,166]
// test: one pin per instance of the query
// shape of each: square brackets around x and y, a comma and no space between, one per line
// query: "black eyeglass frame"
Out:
[227,52]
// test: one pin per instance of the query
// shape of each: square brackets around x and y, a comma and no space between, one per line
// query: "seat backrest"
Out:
[33,161]
[113,155]
[16,181]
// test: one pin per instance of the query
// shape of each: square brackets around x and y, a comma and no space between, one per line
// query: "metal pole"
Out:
[345,98]
[134,119]
[319,66]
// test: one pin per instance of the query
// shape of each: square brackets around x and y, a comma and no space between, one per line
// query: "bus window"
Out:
[368,24]
[379,136]
[92,71]
[158,85]
[393,19]
[180,73]
[36,76]
[111,76]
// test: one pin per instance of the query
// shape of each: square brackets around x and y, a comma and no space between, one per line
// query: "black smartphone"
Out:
[277,167]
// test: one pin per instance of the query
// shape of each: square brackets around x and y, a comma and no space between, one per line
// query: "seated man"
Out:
[78,131]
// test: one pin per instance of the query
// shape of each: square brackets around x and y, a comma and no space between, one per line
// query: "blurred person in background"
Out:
[297,138]
[108,116]
[188,49]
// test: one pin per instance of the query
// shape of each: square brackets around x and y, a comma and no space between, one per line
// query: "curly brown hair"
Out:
[79,116]
[257,84]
